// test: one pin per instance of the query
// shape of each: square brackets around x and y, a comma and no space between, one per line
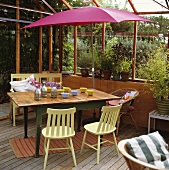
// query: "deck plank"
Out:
[60,161]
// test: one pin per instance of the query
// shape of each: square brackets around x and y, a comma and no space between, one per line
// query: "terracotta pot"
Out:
[84,72]
[107,74]
[125,76]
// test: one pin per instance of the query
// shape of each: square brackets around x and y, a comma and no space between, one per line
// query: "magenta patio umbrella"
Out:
[87,15]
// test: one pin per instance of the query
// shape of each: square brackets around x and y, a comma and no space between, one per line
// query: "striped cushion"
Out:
[150,148]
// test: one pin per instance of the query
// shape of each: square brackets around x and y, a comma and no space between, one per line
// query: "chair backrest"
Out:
[60,122]
[133,163]
[122,92]
[108,118]
[50,77]
[128,102]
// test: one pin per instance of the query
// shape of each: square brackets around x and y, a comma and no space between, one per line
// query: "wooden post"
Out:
[75,39]
[60,47]
[75,49]
[134,50]
[50,49]
[40,48]
[103,29]
[17,38]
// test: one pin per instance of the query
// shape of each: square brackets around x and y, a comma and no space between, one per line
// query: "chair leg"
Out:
[67,145]
[45,146]
[118,124]
[98,149]
[115,142]
[83,142]
[133,121]
[46,153]
[73,152]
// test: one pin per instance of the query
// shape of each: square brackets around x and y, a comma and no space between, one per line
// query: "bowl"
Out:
[74,92]
[59,91]
[83,89]
[65,95]
[67,89]
[90,92]
[49,89]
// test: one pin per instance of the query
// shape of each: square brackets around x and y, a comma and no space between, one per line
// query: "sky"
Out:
[140,5]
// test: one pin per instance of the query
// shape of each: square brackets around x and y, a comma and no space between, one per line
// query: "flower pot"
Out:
[84,72]
[107,74]
[163,106]
[125,76]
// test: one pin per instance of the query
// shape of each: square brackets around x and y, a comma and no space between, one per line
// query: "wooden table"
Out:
[82,102]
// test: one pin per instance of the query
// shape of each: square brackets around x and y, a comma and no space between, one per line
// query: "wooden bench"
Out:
[49,77]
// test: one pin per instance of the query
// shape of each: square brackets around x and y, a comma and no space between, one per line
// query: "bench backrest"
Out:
[50,77]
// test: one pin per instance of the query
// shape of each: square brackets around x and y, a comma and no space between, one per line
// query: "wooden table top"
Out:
[27,98]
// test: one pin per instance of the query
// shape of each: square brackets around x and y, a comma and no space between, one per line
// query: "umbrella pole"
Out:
[92,56]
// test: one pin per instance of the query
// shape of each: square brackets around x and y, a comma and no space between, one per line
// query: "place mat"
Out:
[25,147]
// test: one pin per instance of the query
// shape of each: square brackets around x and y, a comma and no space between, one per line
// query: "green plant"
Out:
[107,60]
[125,65]
[156,73]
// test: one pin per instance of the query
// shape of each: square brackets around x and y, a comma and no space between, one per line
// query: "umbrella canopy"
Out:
[87,15]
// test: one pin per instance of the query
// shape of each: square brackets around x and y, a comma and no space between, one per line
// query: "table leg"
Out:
[38,132]
[25,122]
[79,118]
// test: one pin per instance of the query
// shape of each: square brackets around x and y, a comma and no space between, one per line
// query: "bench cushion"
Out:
[19,86]
[150,148]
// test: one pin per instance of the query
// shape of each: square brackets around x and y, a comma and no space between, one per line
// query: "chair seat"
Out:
[113,102]
[92,128]
[61,135]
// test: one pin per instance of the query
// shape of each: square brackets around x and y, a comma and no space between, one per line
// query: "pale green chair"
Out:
[60,125]
[106,125]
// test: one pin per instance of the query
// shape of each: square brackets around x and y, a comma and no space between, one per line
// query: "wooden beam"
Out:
[67,5]
[132,6]
[75,39]
[60,47]
[160,4]
[48,6]
[134,50]
[17,38]
[26,9]
[75,49]
[40,47]
[39,5]
[50,48]
[103,29]
[153,12]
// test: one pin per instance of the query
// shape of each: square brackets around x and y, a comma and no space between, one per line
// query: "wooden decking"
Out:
[85,161]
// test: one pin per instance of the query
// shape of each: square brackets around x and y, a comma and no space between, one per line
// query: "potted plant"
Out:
[84,62]
[119,63]
[156,72]
[125,66]
[107,60]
